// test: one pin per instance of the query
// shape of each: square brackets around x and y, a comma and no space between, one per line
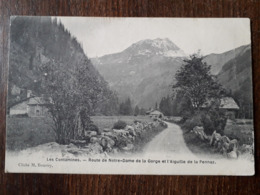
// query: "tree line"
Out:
[126,108]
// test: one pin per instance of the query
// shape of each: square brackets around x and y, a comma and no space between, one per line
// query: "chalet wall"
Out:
[19,109]
[37,110]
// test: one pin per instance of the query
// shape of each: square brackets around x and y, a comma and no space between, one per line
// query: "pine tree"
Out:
[125,108]
[156,106]
[137,110]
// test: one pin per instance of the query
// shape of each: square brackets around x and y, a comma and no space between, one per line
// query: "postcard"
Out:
[152,96]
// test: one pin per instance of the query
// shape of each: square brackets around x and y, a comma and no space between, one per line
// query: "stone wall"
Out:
[230,148]
[112,141]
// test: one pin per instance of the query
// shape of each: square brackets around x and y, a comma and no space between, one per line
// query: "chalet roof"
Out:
[228,103]
[19,106]
[225,103]
[149,111]
[156,112]
[37,101]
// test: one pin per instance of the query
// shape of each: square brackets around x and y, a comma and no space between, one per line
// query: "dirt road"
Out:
[169,142]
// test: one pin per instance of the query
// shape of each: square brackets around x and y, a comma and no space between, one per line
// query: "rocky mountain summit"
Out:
[141,69]
[163,47]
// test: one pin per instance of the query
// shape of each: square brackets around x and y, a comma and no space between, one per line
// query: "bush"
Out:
[192,122]
[137,121]
[121,142]
[214,120]
[119,125]
[93,127]
[207,125]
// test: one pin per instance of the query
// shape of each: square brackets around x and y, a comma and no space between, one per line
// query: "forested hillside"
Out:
[39,43]
[236,77]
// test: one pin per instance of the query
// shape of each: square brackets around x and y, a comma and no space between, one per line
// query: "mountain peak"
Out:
[165,44]
[156,46]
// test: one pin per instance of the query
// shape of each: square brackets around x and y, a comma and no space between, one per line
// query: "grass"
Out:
[107,122]
[27,132]
[241,130]
[23,133]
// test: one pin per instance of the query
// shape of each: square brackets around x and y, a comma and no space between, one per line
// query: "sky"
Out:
[101,36]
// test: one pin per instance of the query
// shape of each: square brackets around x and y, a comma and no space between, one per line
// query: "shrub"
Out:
[192,122]
[121,142]
[215,120]
[93,127]
[137,121]
[119,125]
[207,125]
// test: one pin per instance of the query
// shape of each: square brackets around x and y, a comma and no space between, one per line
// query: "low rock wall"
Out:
[112,140]
[230,148]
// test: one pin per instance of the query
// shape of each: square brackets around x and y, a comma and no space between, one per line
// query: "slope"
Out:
[38,43]
[144,71]
[236,76]
[217,61]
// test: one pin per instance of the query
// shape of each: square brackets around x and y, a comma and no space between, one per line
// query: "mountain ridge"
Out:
[217,60]
[137,66]
[147,77]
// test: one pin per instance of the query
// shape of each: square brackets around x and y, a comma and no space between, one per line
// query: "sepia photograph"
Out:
[161,96]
